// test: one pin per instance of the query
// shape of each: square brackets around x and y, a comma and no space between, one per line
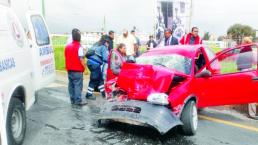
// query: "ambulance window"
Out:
[40,29]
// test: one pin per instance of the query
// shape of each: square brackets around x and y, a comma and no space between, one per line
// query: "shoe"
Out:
[82,103]
[90,97]
[103,94]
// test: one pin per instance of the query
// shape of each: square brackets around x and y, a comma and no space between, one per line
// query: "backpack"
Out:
[91,51]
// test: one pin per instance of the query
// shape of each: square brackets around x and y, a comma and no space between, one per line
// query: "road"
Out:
[54,121]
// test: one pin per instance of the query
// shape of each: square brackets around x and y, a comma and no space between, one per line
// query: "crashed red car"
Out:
[166,86]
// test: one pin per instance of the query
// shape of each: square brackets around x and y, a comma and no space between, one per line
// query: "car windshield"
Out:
[173,61]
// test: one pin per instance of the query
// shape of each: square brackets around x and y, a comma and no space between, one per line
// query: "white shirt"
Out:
[129,42]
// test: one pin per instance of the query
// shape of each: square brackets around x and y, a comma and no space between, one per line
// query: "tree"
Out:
[238,31]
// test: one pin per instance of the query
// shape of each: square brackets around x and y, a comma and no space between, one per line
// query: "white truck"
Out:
[26,65]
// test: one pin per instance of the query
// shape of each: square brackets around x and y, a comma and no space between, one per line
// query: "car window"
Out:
[236,60]
[41,33]
[209,53]
[173,61]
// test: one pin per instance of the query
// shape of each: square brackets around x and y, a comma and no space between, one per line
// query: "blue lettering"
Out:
[45,50]
[7,64]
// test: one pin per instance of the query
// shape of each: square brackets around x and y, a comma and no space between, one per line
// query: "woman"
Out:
[116,59]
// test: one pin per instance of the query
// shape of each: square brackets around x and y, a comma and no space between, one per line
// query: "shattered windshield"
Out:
[173,61]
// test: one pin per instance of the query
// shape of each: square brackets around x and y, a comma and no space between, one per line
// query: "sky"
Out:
[214,16]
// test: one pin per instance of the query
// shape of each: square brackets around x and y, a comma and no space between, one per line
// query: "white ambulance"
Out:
[26,65]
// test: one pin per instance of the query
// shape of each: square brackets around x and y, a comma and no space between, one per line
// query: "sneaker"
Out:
[82,103]
[103,94]
[90,97]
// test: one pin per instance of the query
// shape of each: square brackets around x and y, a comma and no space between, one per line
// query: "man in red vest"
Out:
[75,67]
[191,38]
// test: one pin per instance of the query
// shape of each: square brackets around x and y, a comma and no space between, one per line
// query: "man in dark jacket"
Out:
[111,37]
[151,43]
[169,39]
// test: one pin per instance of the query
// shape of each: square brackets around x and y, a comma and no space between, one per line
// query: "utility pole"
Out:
[191,14]
[43,8]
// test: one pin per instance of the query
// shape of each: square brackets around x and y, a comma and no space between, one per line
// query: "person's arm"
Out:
[114,66]
[104,54]
[81,56]
[182,40]
[176,41]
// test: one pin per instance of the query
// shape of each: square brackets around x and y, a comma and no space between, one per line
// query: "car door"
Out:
[42,50]
[233,78]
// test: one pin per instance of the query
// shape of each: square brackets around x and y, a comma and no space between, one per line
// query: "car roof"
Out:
[185,50]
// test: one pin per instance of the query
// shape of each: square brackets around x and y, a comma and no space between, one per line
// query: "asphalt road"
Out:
[53,121]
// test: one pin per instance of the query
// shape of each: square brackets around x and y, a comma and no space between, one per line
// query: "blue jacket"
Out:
[100,57]
[172,41]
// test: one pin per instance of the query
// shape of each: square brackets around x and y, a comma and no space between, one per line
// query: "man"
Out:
[138,43]
[74,61]
[169,39]
[191,38]
[94,63]
[151,43]
[130,44]
[111,37]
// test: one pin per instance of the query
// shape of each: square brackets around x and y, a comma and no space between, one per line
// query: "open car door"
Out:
[42,50]
[233,79]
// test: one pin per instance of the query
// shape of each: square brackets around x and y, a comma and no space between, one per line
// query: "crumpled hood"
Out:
[140,80]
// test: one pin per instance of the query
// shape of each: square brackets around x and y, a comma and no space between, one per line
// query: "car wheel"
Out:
[252,111]
[189,118]
[16,122]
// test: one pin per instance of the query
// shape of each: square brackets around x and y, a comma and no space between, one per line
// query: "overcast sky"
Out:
[214,16]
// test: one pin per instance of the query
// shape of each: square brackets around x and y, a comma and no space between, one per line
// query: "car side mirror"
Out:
[203,74]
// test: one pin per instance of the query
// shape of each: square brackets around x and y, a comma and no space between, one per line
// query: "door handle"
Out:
[255,78]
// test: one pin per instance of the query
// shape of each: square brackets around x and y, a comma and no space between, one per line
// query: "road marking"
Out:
[251,128]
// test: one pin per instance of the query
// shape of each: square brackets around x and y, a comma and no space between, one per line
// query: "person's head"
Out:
[111,34]
[125,33]
[133,32]
[76,35]
[168,33]
[104,40]
[121,48]
[247,40]
[195,31]
[151,37]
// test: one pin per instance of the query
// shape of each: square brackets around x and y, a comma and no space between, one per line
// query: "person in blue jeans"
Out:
[74,61]
[94,64]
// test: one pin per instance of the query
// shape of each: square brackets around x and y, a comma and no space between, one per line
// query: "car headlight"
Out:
[158,98]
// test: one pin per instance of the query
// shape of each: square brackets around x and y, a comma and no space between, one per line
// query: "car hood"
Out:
[138,81]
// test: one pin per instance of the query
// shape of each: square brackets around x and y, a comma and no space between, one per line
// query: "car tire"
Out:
[16,122]
[189,118]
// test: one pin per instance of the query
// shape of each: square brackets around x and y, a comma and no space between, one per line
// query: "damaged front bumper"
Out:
[140,113]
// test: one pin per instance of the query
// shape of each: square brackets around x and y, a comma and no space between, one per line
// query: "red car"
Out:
[166,86]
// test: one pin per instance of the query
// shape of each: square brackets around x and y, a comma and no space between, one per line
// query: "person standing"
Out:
[151,43]
[130,44]
[74,62]
[191,38]
[169,39]
[111,37]
[94,63]
[138,43]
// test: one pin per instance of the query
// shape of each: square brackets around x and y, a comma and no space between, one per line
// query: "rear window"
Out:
[42,36]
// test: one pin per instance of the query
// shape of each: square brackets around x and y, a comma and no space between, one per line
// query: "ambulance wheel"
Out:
[16,122]
[189,119]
